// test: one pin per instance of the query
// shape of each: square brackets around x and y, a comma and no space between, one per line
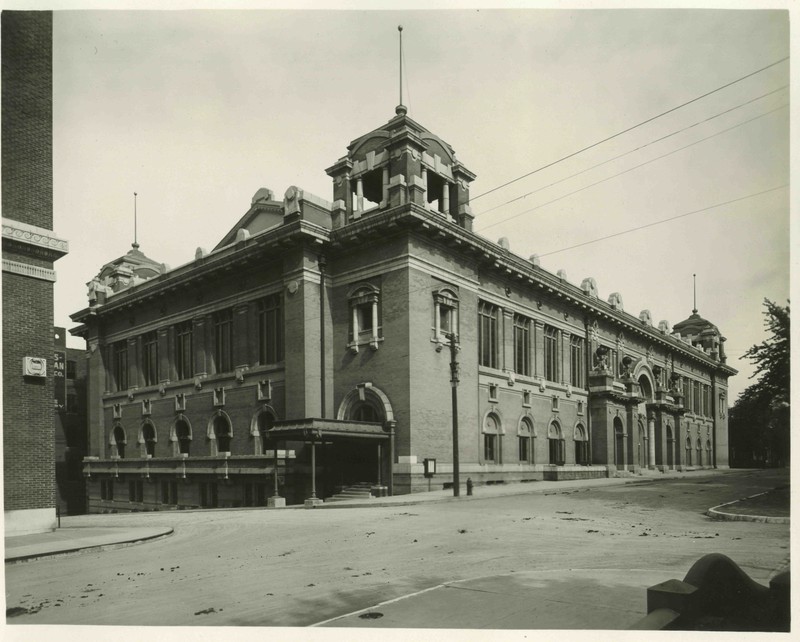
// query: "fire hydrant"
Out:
[469,485]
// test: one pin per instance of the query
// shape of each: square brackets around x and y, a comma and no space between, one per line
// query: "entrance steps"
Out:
[359,490]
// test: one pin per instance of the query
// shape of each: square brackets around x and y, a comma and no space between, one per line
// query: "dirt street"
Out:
[299,567]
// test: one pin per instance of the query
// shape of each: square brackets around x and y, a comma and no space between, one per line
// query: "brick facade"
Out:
[368,286]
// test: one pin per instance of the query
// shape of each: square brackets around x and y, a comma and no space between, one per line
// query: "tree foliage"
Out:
[759,420]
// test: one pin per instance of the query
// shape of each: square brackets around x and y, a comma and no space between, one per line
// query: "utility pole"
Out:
[454,387]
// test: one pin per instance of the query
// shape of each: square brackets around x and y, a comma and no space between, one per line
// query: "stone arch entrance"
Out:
[354,461]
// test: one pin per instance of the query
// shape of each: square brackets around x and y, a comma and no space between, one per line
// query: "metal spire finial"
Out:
[694,278]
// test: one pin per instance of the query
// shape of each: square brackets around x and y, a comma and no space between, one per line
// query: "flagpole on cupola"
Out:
[135,244]
[694,279]
[401,109]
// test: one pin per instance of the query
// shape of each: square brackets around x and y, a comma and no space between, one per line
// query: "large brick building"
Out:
[318,332]
[29,250]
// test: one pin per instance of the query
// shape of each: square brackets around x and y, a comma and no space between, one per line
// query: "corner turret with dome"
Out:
[127,271]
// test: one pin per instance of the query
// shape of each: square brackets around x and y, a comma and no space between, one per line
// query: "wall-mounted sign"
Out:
[60,379]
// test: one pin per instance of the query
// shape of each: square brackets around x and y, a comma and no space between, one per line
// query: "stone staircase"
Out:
[359,490]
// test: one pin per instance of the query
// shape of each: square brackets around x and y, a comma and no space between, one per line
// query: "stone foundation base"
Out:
[312,501]
[276,502]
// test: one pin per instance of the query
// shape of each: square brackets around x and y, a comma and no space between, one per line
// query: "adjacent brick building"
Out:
[311,347]
[69,390]
[29,250]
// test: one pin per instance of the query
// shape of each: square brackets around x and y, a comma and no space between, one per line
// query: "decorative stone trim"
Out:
[32,235]
[31,271]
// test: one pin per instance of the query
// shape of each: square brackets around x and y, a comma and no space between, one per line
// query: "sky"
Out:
[196,110]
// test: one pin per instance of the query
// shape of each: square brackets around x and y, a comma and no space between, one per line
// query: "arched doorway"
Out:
[670,448]
[699,452]
[355,460]
[619,444]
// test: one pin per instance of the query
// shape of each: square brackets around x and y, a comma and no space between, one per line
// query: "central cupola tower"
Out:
[398,164]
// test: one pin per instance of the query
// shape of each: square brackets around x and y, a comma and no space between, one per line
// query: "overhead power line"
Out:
[667,220]
[636,149]
[625,131]
[630,169]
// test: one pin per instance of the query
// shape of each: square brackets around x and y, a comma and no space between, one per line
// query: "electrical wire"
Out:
[625,131]
[666,220]
[630,169]
[636,149]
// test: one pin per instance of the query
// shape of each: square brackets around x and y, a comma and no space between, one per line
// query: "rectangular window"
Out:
[687,393]
[121,365]
[223,349]
[71,370]
[696,400]
[522,345]
[524,448]
[169,492]
[487,334]
[184,350]
[107,489]
[550,353]
[136,491]
[270,330]
[577,367]
[557,452]
[706,400]
[150,358]
[489,447]
[208,495]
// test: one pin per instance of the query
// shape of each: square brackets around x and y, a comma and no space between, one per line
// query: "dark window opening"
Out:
[270,330]
[223,349]
[184,436]
[150,358]
[184,352]
[522,345]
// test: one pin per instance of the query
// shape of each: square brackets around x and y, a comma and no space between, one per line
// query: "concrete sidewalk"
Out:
[63,541]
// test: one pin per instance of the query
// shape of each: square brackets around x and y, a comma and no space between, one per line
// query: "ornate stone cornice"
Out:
[33,240]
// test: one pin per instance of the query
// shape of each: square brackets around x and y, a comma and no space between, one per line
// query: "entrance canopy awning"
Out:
[319,429]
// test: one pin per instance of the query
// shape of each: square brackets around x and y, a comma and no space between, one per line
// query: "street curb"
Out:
[19,559]
[715,513]
[510,493]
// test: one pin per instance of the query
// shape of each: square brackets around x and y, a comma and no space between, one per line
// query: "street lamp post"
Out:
[454,388]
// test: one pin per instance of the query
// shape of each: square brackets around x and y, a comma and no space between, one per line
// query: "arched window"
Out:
[265,422]
[148,439]
[118,442]
[709,458]
[581,446]
[688,451]
[183,437]
[556,446]
[699,452]
[491,438]
[222,434]
[525,432]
